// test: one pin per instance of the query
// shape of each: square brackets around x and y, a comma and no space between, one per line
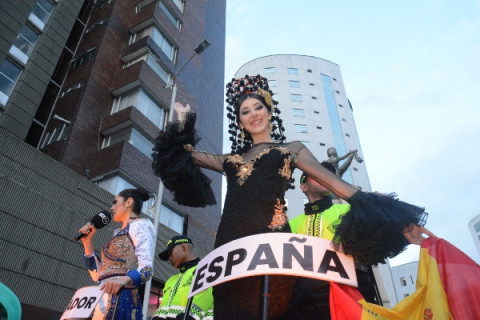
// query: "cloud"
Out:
[411,71]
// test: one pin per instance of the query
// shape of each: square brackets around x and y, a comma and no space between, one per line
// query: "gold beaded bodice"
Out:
[118,256]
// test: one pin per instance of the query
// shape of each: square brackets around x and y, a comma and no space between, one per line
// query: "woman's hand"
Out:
[89,232]
[181,110]
[114,286]
[413,234]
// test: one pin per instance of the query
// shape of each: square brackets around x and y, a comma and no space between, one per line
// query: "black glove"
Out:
[181,315]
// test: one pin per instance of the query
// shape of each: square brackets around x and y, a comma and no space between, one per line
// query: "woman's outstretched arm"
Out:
[310,165]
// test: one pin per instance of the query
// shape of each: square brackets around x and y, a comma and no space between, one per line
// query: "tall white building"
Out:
[405,279]
[316,111]
[474,226]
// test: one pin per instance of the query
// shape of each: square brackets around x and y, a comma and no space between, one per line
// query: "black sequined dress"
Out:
[256,185]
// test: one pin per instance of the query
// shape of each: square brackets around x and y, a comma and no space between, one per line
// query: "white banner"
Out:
[83,303]
[274,253]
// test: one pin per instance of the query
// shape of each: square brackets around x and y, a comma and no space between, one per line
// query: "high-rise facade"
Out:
[315,110]
[84,90]
[405,279]
[474,226]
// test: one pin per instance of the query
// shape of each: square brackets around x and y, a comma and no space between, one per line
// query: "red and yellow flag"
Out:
[448,287]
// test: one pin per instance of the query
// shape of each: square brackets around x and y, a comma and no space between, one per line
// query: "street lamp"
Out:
[158,203]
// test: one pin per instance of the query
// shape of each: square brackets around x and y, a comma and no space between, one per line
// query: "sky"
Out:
[411,70]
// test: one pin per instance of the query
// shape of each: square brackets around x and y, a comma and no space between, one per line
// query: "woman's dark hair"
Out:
[138,195]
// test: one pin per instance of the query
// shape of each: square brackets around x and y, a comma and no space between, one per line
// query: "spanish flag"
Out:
[448,287]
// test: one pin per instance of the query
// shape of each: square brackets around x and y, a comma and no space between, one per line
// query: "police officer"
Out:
[311,297]
[179,253]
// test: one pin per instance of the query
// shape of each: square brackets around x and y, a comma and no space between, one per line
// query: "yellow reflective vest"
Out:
[175,298]
[320,224]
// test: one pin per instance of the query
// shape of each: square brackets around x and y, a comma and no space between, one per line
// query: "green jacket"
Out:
[175,298]
[320,224]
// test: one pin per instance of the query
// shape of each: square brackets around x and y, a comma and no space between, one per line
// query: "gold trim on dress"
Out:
[244,169]
[279,219]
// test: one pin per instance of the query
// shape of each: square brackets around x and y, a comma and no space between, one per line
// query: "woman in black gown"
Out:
[259,171]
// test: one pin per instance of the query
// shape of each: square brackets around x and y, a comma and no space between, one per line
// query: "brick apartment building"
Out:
[83,93]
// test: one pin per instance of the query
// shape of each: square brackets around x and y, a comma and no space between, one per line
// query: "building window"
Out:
[83,58]
[41,13]
[299,113]
[24,44]
[115,184]
[9,74]
[153,61]
[476,226]
[316,111]
[296,97]
[167,47]
[322,144]
[355,169]
[340,105]
[134,137]
[140,100]
[347,134]
[337,91]
[269,70]
[169,14]
[309,70]
[312,84]
[319,128]
[59,133]
[272,83]
[403,281]
[180,4]
[171,219]
[159,38]
[294,84]
[314,98]
[334,79]
[301,128]
[292,71]
[344,120]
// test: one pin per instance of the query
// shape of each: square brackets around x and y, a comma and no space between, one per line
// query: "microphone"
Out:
[99,221]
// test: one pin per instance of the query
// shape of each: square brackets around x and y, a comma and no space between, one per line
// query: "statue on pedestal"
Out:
[334,159]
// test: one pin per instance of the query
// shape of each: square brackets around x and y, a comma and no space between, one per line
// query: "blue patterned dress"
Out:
[128,253]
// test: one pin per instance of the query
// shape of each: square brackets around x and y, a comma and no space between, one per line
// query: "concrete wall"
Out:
[42,205]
